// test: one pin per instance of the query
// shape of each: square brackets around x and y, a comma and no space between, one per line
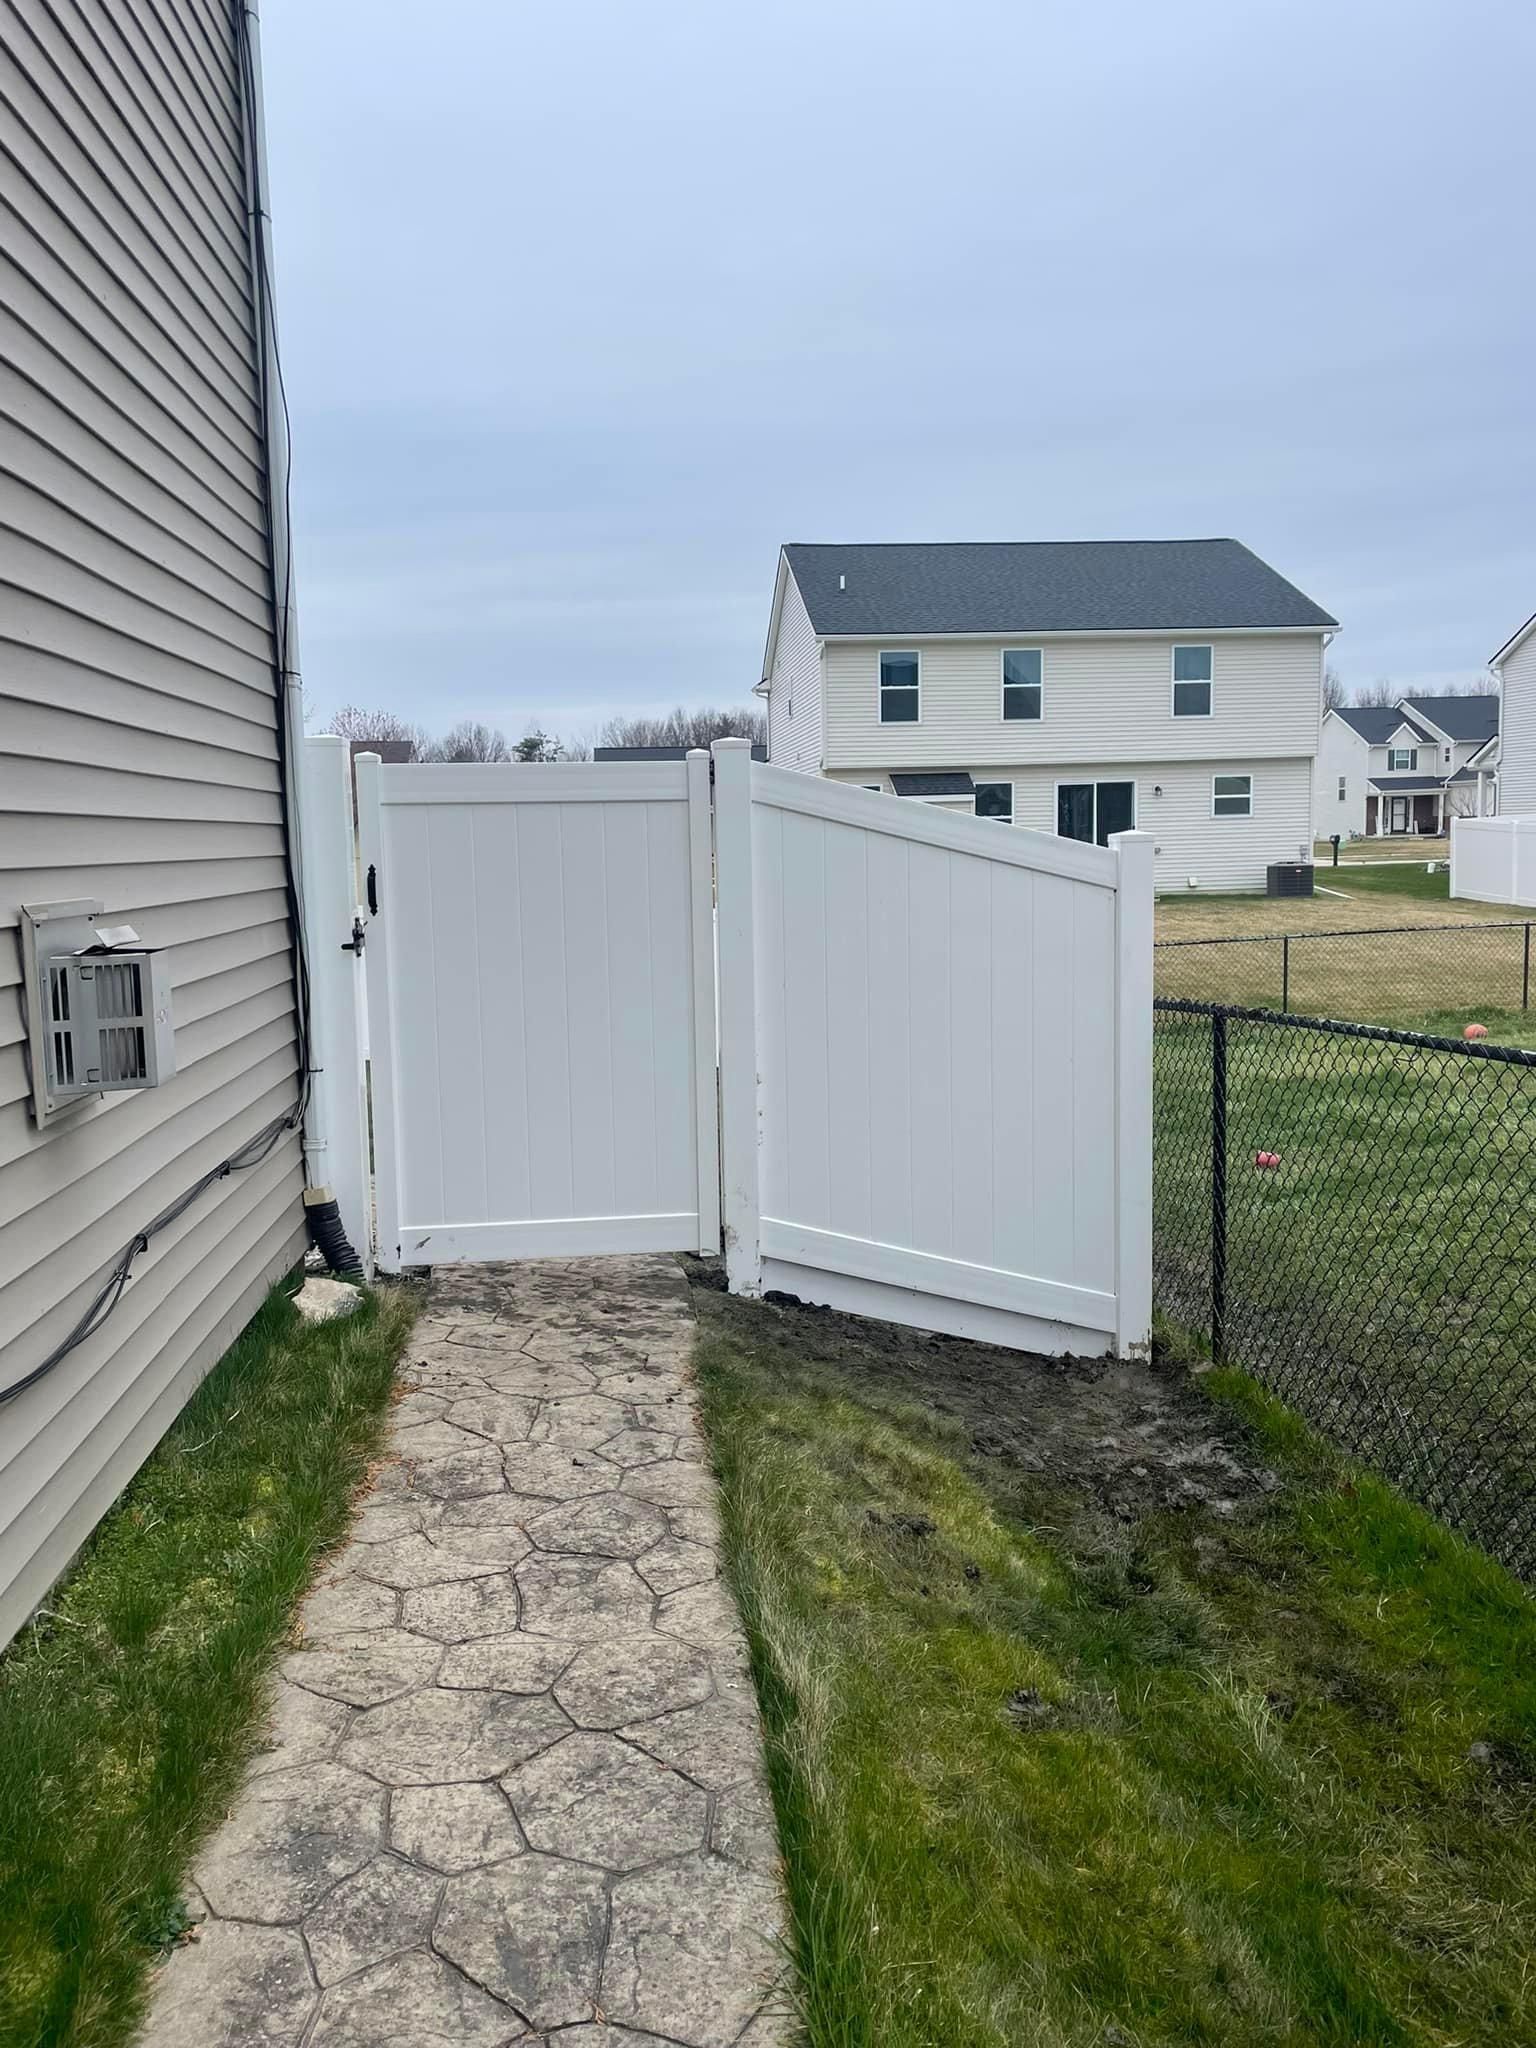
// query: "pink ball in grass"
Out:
[1475,1031]
[1266,1161]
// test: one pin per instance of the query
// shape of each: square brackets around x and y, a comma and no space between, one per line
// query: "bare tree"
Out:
[1382,693]
[354,722]
[682,728]
[1335,696]
[469,740]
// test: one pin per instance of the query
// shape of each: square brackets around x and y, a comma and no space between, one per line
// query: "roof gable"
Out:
[936,588]
[1375,723]
[1473,718]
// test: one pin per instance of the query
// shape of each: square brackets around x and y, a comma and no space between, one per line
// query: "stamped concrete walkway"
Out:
[515,1789]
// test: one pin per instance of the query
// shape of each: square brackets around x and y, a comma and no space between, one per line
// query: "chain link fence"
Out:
[1401,973]
[1349,1213]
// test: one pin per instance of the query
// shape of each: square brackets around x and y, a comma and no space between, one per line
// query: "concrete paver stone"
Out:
[512,1790]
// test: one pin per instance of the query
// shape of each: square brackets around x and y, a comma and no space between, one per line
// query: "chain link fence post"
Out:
[1219,1188]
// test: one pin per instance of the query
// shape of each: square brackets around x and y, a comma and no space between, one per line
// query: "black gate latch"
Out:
[359,937]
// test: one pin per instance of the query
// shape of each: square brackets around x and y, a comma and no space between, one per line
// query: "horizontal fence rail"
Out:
[1400,973]
[1348,1212]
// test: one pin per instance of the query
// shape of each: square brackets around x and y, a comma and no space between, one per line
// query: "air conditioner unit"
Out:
[99,1007]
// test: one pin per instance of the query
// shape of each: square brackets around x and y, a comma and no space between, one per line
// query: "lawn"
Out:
[1362,954]
[1104,1709]
[1405,847]
[129,1708]
[1379,1271]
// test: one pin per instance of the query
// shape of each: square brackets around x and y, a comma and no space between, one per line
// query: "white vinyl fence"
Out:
[1493,860]
[936,1042]
[934,1032]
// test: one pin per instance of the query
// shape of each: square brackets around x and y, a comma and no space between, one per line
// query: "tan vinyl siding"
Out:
[1517,743]
[795,680]
[1220,853]
[138,731]
[1103,698]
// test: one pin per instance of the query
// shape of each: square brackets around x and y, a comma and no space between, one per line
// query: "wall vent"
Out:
[99,1008]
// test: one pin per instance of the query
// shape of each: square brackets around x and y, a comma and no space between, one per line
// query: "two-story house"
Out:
[1407,767]
[1515,667]
[1077,687]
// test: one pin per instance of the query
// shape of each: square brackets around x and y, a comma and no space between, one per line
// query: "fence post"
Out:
[336,1127]
[1219,1187]
[1285,972]
[1133,1091]
[1525,970]
[740,1131]
[706,1043]
[381,1039]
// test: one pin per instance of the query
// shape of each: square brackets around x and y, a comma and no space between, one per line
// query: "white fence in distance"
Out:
[1493,860]
[935,1063]
[541,1007]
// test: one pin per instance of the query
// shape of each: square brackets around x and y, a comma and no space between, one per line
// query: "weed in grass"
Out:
[129,1708]
[1056,1765]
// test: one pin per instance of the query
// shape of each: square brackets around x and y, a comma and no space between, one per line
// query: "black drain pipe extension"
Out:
[328,1235]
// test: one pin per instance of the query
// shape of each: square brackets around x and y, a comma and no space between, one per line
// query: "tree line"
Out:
[472,740]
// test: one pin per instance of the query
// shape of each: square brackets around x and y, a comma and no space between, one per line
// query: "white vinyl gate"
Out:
[541,1009]
[934,1039]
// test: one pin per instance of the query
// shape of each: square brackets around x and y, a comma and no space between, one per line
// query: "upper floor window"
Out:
[1231,796]
[995,800]
[898,689]
[1191,682]
[1022,676]
[1343,788]
[1402,757]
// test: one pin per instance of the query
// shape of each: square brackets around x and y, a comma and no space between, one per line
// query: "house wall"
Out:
[1221,853]
[1517,744]
[138,734]
[1108,698]
[1341,751]
[794,687]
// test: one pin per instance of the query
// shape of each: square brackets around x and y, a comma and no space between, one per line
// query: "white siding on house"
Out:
[138,736]
[1341,752]
[1220,853]
[1517,741]
[794,687]
[1103,698]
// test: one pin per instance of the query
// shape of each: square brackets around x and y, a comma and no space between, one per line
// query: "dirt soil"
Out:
[1127,1439]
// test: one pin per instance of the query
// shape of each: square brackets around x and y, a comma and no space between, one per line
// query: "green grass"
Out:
[129,1708]
[1454,972]
[1049,1781]
[1380,1276]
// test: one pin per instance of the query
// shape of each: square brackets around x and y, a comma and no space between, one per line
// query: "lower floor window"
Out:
[995,800]
[1232,796]
[1343,788]
[1093,810]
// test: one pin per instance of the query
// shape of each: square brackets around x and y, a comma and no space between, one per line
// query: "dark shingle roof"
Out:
[1376,723]
[1464,718]
[938,782]
[1043,587]
[1406,785]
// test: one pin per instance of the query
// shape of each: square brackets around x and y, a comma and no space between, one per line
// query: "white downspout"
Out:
[318,1109]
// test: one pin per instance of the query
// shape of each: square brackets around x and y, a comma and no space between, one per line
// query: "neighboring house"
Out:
[142,740]
[1078,687]
[1515,666]
[759,753]
[1408,767]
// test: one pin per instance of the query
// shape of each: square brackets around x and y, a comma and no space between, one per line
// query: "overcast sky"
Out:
[587,307]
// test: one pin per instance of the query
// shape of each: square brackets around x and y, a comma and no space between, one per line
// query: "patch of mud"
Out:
[1133,1439]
